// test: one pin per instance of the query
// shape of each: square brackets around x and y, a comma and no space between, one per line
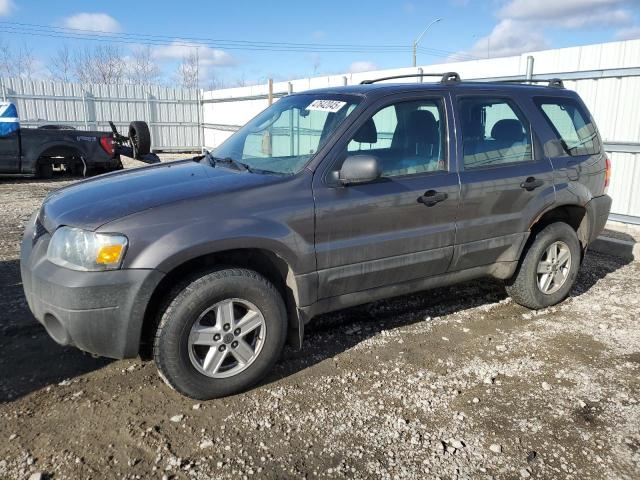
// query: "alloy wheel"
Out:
[553,268]
[226,338]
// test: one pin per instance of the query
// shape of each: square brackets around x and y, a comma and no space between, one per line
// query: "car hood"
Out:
[94,202]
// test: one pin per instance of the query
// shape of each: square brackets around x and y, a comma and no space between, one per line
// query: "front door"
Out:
[10,152]
[400,227]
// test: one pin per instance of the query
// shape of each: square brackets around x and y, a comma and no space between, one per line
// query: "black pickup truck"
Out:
[41,150]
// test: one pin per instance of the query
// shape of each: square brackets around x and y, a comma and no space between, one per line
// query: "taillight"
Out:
[607,172]
[107,144]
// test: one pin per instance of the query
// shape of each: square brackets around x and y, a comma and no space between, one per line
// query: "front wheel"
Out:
[549,268]
[44,170]
[222,332]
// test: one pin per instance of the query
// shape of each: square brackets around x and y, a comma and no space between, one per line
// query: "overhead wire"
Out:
[18,28]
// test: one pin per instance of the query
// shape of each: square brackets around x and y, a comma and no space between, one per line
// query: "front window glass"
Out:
[284,137]
[407,137]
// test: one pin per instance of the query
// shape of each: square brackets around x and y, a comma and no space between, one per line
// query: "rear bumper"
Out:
[98,312]
[598,208]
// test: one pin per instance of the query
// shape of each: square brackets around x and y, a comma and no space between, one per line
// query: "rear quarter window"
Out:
[571,125]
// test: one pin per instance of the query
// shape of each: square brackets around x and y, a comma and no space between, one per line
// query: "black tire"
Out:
[171,348]
[140,138]
[45,170]
[76,168]
[523,286]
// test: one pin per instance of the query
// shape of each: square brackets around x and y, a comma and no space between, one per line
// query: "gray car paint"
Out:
[343,245]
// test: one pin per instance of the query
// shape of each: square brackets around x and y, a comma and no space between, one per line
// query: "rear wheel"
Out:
[222,332]
[548,269]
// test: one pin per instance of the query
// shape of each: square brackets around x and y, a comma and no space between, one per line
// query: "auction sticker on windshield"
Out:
[326,105]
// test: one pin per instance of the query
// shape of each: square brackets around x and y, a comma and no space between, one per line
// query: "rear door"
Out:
[402,226]
[505,179]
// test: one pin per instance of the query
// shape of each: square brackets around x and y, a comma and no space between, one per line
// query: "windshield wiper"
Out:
[213,161]
[243,167]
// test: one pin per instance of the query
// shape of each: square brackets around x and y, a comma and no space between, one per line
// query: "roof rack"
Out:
[453,77]
[551,82]
[448,77]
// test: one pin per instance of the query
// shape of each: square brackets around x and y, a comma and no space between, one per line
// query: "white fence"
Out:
[173,114]
[607,77]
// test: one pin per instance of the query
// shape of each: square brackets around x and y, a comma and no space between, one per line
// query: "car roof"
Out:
[383,89]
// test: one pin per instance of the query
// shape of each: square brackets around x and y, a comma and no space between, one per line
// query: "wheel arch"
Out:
[61,146]
[265,262]
[576,216]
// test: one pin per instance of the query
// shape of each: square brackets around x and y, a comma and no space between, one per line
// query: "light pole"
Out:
[417,40]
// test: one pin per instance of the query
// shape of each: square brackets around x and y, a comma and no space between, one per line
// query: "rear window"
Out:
[571,124]
[494,133]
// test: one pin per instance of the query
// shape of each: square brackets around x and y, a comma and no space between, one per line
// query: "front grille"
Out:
[38,231]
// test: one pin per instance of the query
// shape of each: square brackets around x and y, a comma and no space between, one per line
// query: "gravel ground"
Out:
[456,382]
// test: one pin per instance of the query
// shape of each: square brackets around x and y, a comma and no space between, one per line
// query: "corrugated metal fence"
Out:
[607,77]
[173,114]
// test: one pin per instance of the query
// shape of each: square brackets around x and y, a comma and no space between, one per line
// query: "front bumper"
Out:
[98,312]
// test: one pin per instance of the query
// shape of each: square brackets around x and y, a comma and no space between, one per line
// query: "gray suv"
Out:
[327,199]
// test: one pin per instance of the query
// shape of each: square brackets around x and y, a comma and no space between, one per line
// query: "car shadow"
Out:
[331,334]
[30,359]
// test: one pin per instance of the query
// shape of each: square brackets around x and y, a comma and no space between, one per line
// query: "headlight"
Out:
[79,249]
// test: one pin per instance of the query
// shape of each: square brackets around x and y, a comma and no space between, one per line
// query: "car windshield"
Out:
[283,138]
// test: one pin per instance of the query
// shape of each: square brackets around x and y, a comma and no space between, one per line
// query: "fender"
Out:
[30,155]
[167,236]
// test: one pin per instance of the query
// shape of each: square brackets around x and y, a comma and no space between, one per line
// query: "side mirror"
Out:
[360,169]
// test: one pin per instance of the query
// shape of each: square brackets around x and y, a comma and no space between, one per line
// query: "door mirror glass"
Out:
[360,169]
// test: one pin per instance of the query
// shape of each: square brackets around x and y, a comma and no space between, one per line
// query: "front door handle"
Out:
[531,183]
[431,197]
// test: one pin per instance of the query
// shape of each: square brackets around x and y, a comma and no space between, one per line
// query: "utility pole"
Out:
[417,40]
[488,43]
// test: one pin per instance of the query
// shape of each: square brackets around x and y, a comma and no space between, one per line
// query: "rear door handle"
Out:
[531,183]
[431,197]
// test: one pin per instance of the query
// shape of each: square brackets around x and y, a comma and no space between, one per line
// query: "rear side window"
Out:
[494,133]
[571,124]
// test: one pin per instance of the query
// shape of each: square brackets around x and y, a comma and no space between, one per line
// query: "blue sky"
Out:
[470,28]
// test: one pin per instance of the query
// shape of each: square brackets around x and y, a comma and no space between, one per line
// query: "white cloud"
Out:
[97,22]
[567,13]
[6,7]
[362,66]
[546,9]
[522,24]
[207,56]
[628,33]
[319,34]
[508,37]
